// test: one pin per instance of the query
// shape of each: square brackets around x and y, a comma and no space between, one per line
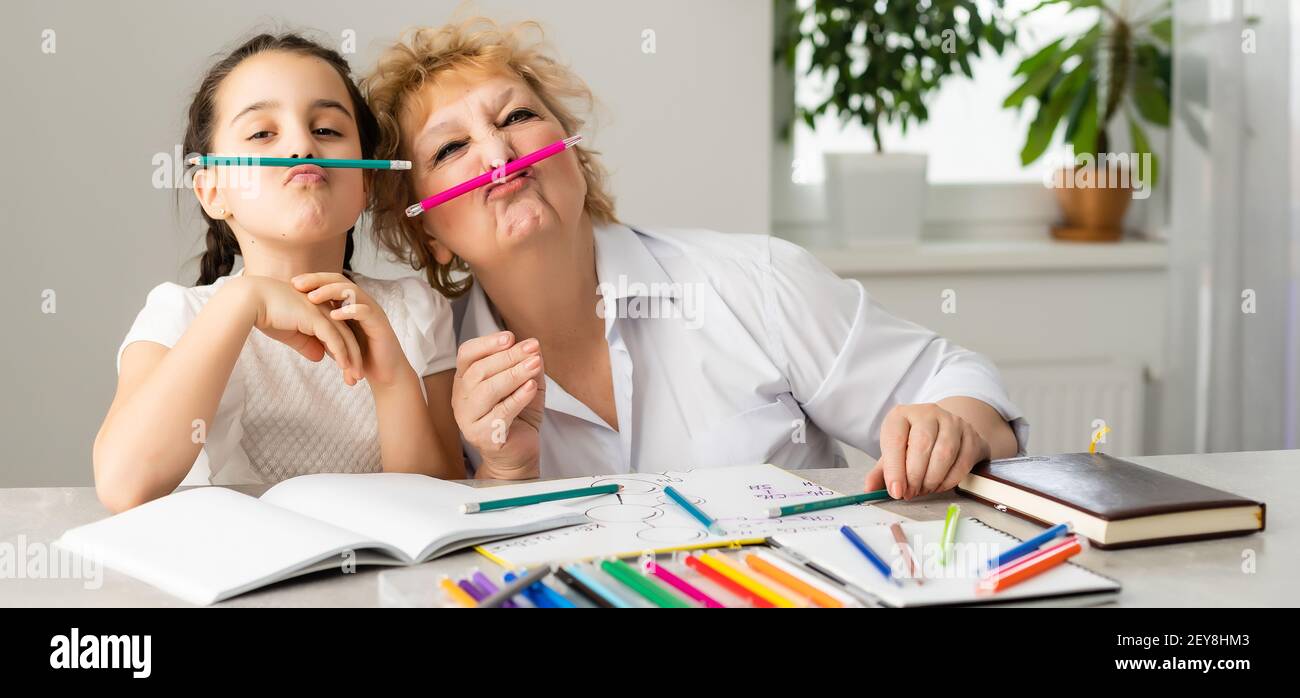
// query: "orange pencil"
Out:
[456,594]
[1018,571]
[792,582]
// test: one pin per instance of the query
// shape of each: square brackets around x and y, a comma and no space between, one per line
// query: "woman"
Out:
[588,346]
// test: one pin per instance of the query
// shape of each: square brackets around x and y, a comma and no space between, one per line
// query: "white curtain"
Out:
[1232,380]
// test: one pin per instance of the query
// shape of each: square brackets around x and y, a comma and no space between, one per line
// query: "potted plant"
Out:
[1120,66]
[882,60]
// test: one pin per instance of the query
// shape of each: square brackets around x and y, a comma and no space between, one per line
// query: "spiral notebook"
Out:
[830,553]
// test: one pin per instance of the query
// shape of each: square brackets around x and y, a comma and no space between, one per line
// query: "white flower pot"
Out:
[875,197]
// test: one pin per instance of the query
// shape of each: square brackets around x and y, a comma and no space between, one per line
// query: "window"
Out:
[970,138]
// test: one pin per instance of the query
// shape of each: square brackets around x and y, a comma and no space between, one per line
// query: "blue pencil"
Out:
[693,510]
[596,587]
[868,553]
[541,595]
[1030,545]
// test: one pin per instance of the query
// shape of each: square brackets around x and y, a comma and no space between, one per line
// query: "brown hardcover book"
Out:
[1115,503]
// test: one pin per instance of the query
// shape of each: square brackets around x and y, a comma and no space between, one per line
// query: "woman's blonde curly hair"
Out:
[480,44]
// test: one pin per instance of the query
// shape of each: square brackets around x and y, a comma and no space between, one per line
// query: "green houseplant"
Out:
[1118,69]
[881,62]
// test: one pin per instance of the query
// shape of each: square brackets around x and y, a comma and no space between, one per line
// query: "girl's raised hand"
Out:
[382,360]
[286,315]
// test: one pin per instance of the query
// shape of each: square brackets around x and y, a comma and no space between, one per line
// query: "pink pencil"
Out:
[487,177]
[683,586]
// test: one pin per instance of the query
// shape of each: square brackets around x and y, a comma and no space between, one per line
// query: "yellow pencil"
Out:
[460,596]
[792,582]
[730,571]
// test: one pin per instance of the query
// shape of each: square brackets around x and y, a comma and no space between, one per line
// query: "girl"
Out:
[194,376]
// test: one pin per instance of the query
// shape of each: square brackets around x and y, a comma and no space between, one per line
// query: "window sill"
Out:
[992,257]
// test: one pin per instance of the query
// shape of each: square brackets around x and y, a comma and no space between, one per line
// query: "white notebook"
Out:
[642,518]
[210,543]
[831,553]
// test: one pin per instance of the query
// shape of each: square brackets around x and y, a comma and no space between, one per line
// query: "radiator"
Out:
[1062,400]
[1066,402]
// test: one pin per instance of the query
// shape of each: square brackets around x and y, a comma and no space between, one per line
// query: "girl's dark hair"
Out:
[219,259]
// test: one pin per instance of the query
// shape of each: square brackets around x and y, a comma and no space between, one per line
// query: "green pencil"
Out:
[949,531]
[258,161]
[790,509]
[641,584]
[491,504]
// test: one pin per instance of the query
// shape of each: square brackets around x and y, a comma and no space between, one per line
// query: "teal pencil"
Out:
[791,509]
[257,161]
[695,512]
[489,505]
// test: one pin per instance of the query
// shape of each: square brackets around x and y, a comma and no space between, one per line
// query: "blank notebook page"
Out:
[208,543]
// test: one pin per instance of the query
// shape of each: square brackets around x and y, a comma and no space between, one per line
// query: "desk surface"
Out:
[1205,573]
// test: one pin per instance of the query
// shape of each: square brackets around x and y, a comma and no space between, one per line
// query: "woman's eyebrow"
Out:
[502,100]
[429,132]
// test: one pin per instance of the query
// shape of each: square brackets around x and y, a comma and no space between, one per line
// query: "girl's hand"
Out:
[498,397]
[383,362]
[286,315]
[924,448]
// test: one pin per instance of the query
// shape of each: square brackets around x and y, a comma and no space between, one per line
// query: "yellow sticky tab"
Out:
[1092,447]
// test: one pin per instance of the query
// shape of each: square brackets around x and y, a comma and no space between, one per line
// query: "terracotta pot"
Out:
[1093,213]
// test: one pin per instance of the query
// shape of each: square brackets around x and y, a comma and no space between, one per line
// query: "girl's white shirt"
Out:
[282,415]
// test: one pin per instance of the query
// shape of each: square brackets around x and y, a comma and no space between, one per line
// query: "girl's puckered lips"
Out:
[305,174]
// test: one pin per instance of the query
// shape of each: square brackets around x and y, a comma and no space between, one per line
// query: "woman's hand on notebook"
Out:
[383,362]
[925,448]
[499,396]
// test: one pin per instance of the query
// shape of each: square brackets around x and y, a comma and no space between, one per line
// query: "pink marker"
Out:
[683,586]
[489,177]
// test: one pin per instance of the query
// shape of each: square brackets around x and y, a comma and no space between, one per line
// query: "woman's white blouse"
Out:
[730,349]
[282,415]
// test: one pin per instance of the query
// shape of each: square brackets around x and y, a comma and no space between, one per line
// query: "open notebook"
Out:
[210,543]
[831,553]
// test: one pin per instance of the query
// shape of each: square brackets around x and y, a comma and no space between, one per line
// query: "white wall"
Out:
[83,124]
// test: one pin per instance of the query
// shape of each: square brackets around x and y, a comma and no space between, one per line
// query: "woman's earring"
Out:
[221,212]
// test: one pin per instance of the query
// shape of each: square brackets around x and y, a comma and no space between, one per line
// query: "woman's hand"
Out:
[925,448]
[498,397]
[286,315]
[383,362]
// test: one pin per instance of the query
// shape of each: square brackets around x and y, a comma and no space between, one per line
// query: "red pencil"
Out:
[727,584]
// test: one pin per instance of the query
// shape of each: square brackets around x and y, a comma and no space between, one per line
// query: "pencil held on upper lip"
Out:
[259,161]
[495,175]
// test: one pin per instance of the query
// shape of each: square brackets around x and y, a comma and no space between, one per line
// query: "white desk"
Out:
[1206,573]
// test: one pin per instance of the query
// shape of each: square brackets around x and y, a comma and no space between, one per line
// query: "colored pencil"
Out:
[683,586]
[695,512]
[832,503]
[514,587]
[1030,566]
[488,177]
[506,503]
[871,555]
[771,568]
[259,161]
[726,569]
[641,584]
